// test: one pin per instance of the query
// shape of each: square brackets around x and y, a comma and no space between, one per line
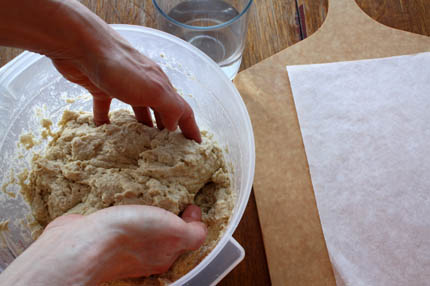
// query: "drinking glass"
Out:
[217,27]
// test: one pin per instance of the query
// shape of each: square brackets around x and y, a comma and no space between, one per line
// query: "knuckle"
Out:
[187,114]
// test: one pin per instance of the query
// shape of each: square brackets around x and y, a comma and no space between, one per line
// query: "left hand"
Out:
[119,71]
[87,51]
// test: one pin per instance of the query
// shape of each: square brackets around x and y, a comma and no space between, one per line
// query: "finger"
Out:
[170,107]
[159,121]
[196,230]
[171,123]
[178,112]
[143,115]
[170,114]
[195,235]
[189,127]
[101,105]
[192,213]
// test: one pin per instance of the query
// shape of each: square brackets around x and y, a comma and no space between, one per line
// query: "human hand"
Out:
[119,71]
[113,243]
[87,51]
[122,72]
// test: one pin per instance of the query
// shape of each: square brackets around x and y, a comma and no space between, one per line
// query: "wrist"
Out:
[91,42]
[55,28]
[63,257]
[84,34]
[78,253]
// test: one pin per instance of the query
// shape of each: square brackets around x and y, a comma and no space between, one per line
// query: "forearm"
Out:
[56,28]
[58,259]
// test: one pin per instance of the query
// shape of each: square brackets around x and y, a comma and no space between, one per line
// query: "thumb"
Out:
[196,230]
[101,106]
[192,213]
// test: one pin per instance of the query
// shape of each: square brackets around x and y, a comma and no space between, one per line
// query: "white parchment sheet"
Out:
[366,131]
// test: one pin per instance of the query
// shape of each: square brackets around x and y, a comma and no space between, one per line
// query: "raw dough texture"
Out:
[86,168]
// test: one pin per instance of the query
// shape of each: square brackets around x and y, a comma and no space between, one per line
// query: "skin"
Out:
[113,243]
[87,51]
[121,241]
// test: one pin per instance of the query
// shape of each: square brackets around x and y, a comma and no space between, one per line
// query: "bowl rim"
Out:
[13,68]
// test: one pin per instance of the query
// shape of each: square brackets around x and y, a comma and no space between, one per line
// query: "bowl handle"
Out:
[224,262]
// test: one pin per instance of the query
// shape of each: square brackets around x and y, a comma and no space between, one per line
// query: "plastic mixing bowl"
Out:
[31,88]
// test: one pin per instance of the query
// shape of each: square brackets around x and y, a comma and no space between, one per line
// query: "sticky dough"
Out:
[86,168]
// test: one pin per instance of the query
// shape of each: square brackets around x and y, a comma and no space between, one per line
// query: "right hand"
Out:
[113,243]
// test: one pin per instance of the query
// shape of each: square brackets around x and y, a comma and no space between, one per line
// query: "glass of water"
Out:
[217,27]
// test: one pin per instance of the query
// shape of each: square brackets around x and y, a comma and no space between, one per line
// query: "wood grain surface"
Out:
[407,15]
[273,26]
[292,231]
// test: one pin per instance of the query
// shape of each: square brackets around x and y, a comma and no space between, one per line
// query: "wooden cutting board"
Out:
[292,232]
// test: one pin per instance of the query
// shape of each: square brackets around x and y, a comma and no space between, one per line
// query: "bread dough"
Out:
[86,168]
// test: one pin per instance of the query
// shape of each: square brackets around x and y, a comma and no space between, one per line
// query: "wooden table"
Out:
[274,25]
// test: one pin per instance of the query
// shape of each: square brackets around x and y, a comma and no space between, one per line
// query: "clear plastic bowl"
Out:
[31,88]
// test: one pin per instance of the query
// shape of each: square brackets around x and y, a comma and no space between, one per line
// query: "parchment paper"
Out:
[366,131]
